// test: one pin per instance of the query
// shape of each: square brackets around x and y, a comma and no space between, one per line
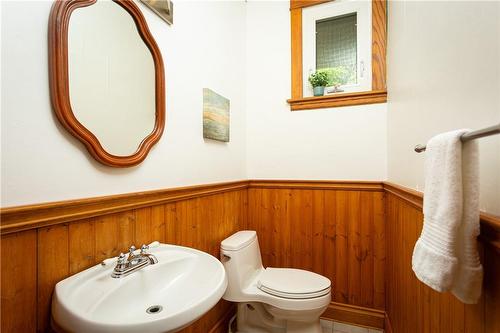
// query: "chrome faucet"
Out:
[126,265]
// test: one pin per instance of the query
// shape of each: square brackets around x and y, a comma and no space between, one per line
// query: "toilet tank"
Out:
[240,255]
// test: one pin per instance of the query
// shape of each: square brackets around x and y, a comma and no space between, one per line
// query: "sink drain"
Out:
[154,309]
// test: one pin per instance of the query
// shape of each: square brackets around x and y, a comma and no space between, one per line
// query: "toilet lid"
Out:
[293,283]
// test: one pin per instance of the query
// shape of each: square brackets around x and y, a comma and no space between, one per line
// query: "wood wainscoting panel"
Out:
[411,306]
[332,228]
[52,266]
[52,253]
[19,282]
[491,290]
[359,234]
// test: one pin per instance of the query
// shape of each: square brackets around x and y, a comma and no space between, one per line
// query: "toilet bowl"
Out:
[271,300]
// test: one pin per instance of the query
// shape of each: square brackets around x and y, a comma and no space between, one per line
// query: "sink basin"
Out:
[180,288]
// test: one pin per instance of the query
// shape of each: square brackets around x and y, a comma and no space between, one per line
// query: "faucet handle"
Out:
[121,262]
[122,258]
[144,248]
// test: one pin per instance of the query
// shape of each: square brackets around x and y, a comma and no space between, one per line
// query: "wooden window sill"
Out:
[338,100]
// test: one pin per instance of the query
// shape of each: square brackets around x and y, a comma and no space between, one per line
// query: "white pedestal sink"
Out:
[180,288]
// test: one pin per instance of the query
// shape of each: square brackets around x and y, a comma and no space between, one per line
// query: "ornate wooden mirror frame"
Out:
[59,82]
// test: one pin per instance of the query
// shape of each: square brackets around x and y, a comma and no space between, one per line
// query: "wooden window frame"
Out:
[378,94]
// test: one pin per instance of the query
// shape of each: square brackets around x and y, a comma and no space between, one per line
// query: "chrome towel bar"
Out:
[492,130]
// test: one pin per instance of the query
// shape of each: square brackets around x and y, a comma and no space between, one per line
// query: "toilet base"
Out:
[255,318]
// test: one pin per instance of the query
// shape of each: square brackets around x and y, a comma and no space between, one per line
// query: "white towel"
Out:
[469,277]
[445,256]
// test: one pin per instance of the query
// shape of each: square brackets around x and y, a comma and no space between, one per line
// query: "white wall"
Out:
[41,162]
[443,74]
[340,143]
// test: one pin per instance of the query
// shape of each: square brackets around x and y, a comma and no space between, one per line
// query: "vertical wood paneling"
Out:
[53,266]
[171,225]
[203,223]
[330,237]
[243,218]
[340,280]
[264,210]
[474,313]
[143,226]
[492,289]
[281,214]
[353,248]
[331,232]
[366,249]
[126,230]
[81,245]
[361,240]
[158,224]
[184,225]
[19,282]
[301,229]
[51,254]
[114,233]
[414,307]
[318,231]
[379,250]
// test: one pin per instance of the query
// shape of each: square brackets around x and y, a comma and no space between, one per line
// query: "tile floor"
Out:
[336,327]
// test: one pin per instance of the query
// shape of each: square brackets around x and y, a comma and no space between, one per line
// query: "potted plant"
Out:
[337,76]
[318,80]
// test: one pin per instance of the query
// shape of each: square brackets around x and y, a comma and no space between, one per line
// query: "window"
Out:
[336,47]
[337,39]
[346,39]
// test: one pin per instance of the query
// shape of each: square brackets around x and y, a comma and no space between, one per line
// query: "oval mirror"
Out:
[107,83]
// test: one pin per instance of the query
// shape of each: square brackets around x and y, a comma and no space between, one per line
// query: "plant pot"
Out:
[319,91]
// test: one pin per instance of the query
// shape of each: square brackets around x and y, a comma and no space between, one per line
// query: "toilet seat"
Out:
[293,283]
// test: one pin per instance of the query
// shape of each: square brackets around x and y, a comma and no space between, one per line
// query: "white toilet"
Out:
[271,300]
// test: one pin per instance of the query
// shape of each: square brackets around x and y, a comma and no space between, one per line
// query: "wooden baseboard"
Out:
[221,326]
[356,315]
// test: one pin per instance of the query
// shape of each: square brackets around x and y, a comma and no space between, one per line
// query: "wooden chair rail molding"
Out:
[490,224]
[39,215]
[378,94]
[13,219]
[357,185]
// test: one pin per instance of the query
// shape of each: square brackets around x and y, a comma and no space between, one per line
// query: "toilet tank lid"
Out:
[239,240]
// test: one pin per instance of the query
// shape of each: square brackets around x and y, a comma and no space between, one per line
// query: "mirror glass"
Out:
[111,77]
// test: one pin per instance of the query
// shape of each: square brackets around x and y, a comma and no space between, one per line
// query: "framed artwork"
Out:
[163,8]
[215,116]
